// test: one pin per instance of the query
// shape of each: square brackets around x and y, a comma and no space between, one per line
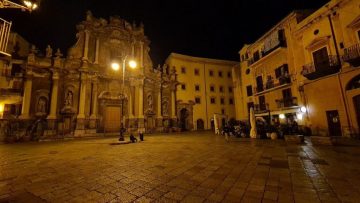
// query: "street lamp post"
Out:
[115,66]
[5,26]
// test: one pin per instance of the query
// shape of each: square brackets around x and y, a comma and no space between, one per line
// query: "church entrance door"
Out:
[112,119]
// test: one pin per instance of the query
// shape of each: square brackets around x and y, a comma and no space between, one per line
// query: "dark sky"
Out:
[205,28]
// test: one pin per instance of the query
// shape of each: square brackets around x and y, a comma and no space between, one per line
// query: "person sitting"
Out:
[133,138]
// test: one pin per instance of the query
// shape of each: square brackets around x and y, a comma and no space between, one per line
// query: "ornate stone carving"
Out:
[49,51]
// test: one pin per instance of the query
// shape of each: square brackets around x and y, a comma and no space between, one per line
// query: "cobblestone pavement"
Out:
[193,167]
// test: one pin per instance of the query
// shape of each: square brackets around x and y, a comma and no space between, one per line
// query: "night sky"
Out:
[204,28]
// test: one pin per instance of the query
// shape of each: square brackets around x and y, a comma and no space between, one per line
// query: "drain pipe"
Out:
[338,75]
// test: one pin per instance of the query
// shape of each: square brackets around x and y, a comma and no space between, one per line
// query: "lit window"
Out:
[212,100]
[197,100]
[183,87]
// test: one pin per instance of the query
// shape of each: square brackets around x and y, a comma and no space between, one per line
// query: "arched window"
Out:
[354,83]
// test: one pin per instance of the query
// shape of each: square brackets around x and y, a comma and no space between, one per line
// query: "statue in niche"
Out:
[150,102]
[69,98]
[41,105]
[89,16]
[165,108]
[49,51]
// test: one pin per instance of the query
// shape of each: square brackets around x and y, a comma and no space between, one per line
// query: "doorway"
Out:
[356,100]
[334,125]
[321,59]
[112,119]
[183,119]
[200,124]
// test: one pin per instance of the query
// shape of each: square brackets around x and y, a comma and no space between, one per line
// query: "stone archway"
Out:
[184,114]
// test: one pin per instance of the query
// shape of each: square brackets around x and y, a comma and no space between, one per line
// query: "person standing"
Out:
[226,132]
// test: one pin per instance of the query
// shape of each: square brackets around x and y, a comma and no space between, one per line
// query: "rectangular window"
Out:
[222,101]
[230,89]
[280,71]
[256,56]
[229,74]
[358,33]
[249,91]
[231,101]
[211,73]
[222,111]
[212,100]
[262,103]
[212,88]
[183,70]
[221,89]
[220,74]
[196,71]
[197,100]
[183,87]
[197,87]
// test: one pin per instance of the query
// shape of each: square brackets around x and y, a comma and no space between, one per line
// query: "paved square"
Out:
[191,167]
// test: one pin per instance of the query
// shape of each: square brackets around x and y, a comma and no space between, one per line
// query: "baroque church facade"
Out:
[81,94]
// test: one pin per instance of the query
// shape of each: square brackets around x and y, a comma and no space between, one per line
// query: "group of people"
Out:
[133,139]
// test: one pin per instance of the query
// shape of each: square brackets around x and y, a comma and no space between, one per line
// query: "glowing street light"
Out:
[28,5]
[116,66]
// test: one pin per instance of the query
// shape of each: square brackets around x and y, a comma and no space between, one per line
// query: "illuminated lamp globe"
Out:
[281,116]
[132,64]
[303,109]
[299,116]
[115,66]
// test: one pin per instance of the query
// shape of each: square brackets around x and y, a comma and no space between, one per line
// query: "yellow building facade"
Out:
[305,68]
[205,88]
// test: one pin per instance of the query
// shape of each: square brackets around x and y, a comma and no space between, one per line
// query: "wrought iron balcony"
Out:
[287,102]
[352,55]
[273,84]
[261,108]
[316,70]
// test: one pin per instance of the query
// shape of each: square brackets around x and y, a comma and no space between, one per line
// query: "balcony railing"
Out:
[261,108]
[352,55]
[327,67]
[272,84]
[287,102]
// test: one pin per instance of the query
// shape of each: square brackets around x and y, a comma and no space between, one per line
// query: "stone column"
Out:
[142,54]
[97,51]
[54,96]
[130,106]
[173,104]
[86,45]
[141,101]
[159,112]
[133,49]
[94,106]
[25,111]
[80,123]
